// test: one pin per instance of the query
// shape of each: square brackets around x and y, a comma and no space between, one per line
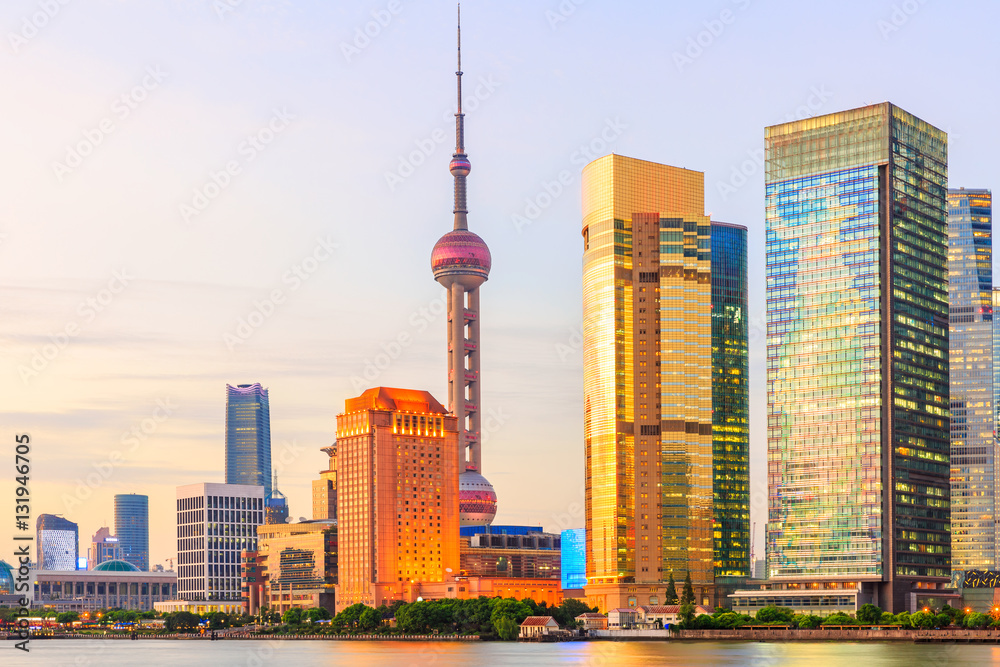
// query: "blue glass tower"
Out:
[248,436]
[132,528]
[574,558]
[57,543]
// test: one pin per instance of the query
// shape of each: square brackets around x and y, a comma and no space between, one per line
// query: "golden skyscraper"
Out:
[647,349]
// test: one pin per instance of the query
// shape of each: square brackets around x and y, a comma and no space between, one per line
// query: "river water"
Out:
[247,653]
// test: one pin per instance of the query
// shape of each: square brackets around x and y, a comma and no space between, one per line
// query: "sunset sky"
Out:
[172,167]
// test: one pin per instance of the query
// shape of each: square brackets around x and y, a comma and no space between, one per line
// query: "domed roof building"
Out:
[6,579]
[116,566]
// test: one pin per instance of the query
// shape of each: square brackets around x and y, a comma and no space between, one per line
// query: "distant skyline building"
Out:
[215,524]
[132,528]
[857,356]
[324,489]
[397,473]
[659,451]
[574,558]
[275,507]
[973,446]
[103,547]
[248,436]
[461,262]
[57,543]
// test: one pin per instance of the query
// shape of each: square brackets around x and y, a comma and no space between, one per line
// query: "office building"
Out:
[113,584]
[132,528]
[461,263]
[324,489]
[57,543]
[573,563]
[275,507]
[397,473]
[215,524]
[103,547]
[654,325]
[857,355]
[248,436]
[295,566]
[970,317]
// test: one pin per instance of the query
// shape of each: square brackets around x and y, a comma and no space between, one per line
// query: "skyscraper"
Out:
[57,543]
[324,489]
[650,336]
[461,262]
[730,402]
[397,473]
[275,507]
[132,528]
[215,524]
[104,547]
[973,451]
[857,365]
[248,436]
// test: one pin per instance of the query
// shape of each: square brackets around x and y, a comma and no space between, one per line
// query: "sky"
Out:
[202,192]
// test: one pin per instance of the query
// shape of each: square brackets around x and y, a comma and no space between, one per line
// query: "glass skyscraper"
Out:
[730,401]
[970,301]
[132,528]
[857,345]
[652,478]
[248,436]
[57,543]
[573,558]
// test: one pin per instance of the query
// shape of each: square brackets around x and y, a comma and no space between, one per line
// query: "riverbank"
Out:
[844,633]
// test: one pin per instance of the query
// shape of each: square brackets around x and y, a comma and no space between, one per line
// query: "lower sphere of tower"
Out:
[477,500]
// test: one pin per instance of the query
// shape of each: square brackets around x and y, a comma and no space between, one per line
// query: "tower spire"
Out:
[460,165]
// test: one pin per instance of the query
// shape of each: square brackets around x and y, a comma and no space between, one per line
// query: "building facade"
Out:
[397,472]
[857,331]
[973,444]
[730,403]
[324,489]
[573,561]
[103,547]
[651,335]
[57,543]
[248,436]
[112,584]
[276,507]
[461,262]
[215,524]
[297,564]
[132,528]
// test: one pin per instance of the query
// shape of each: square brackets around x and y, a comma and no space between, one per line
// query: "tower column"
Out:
[456,382]
[475,393]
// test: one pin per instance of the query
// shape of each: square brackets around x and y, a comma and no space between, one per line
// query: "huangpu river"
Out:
[252,653]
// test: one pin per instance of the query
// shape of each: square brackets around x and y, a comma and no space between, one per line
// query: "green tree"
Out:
[508,608]
[902,619]
[182,621]
[869,614]
[686,614]
[923,620]
[975,620]
[292,617]
[316,614]
[566,613]
[772,614]
[671,590]
[369,620]
[839,618]
[350,616]
[807,621]
[942,620]
[67,617]
[507,629]
[687,597]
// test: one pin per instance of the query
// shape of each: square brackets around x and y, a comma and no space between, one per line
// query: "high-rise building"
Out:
[132,528]
[324,489]
[103,547]
[857,356]
[573,563]
[397,473]
[973,450]
[461,262]
[275,507]
[57,543]
[215,524]
[730,402]
[654,322]
[248,436]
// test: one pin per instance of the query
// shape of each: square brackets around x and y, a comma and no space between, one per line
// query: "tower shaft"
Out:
[463,372]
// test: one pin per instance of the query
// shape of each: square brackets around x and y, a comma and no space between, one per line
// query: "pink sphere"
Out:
[463,256]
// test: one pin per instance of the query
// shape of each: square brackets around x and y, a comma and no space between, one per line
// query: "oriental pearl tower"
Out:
[461,262]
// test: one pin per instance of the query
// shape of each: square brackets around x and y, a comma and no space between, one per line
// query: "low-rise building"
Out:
[111,584]
[655,617]
[536,626]
[622,618]
[592,621]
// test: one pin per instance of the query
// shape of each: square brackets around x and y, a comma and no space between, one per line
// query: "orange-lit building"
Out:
[397,473]
[324,489]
